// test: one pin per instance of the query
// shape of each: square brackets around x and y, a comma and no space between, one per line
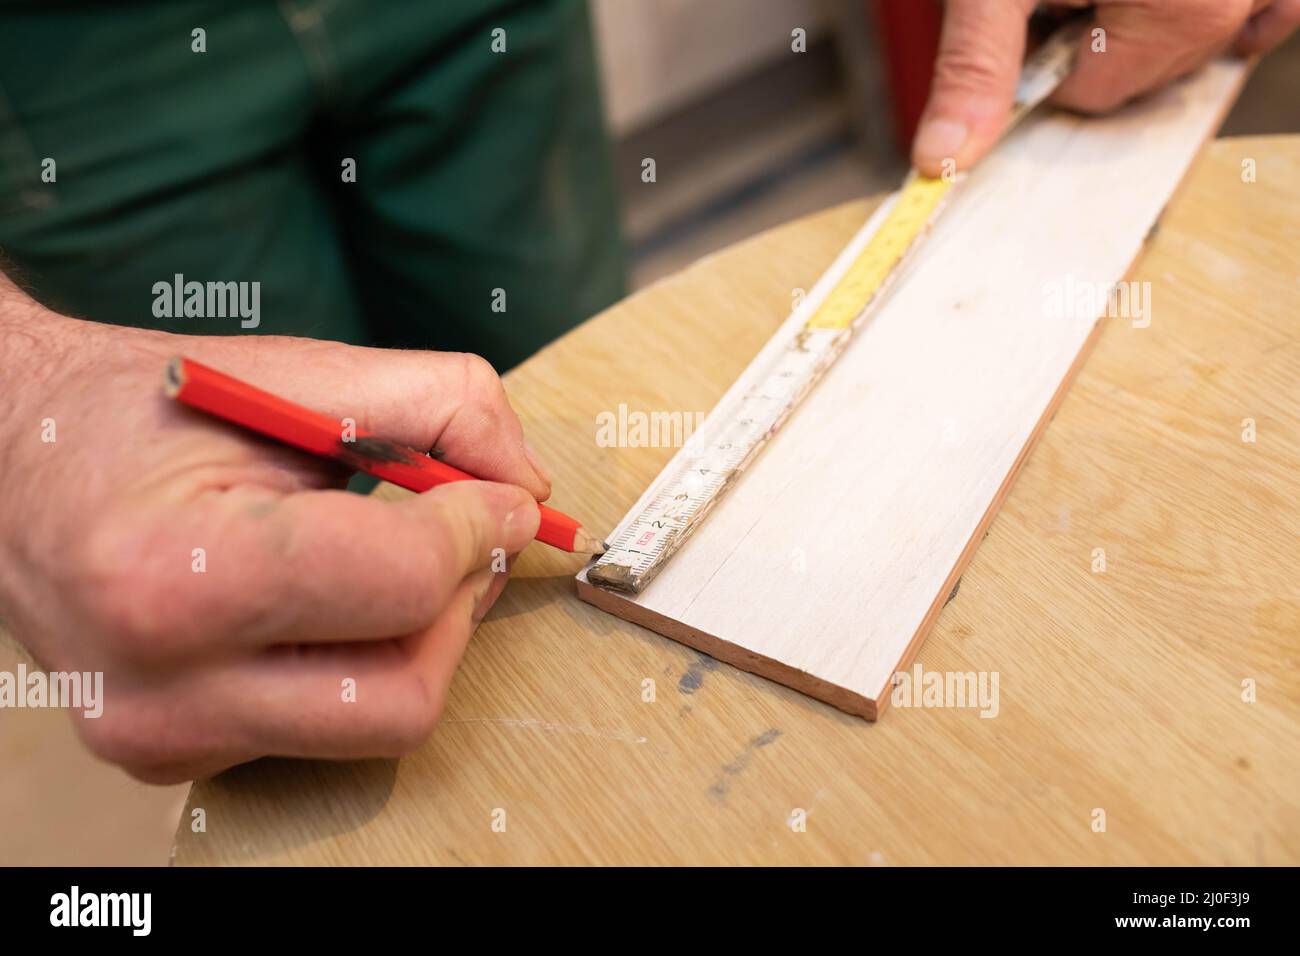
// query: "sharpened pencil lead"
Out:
[584,542]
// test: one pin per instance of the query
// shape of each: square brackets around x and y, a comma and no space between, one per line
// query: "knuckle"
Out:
[458,520]
[485,394]
[143,738]
[121,736]
[969,69]
[416,710]
[481,378]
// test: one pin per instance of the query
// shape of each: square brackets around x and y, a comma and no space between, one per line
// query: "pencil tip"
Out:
[584,542]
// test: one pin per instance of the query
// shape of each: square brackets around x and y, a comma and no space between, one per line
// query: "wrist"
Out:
[35,343]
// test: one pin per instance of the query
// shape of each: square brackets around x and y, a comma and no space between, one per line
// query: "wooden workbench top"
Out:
[1125,691]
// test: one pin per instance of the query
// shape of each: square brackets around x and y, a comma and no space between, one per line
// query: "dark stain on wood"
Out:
[953,593]
[693,679]
[722,786]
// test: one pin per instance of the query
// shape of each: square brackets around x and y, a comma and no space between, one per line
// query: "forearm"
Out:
[20,315]
[30,341]
[43,353]
[33,343]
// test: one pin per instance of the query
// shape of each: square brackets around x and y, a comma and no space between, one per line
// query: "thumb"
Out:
[975,76]
[1268,27]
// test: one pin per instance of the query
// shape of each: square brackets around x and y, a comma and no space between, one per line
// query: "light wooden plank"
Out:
[827,564]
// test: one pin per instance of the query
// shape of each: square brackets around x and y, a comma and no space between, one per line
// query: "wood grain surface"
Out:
[1120,691]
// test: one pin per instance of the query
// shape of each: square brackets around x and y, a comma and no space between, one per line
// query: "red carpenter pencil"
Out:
[222,396]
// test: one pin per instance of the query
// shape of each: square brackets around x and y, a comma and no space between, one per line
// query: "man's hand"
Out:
[228,589]
[1148,43]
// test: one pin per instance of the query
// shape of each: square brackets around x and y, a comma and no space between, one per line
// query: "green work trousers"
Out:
[411,173]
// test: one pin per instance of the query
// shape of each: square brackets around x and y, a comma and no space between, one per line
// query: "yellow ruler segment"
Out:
[917,202]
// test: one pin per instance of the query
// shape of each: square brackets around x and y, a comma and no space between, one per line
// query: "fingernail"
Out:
[519,528]
[536,462]
[941,139]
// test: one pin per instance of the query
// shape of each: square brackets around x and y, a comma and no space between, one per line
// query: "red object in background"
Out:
[228,398]
[909,33]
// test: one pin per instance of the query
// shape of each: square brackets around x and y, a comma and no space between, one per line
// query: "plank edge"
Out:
[737,656]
